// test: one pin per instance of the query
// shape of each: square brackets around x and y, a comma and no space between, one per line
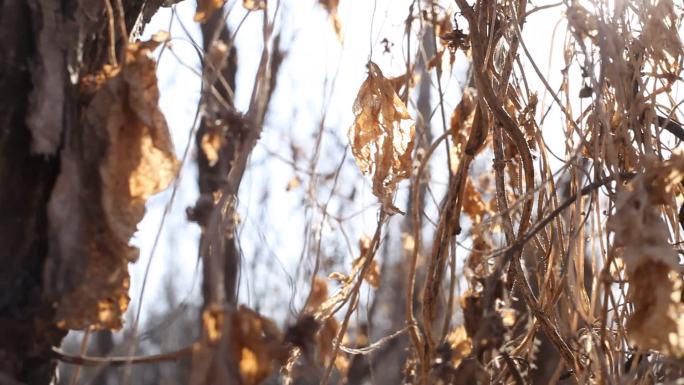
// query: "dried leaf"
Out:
[205,8]
[473,204]
[660,33]
[460,344]
[408,242]
[215,60]
[342,364]
[339,277]
[212,323]
[318,295]
[372,276]
[293,183]
[461,123]
[581,20]
[650,261]
[254,5]
[436,60]
[249,365]
[476,263]
[526,119]
[382,136]
[211,144]
[325,338]
[256,342]
[658,318]
[100,194]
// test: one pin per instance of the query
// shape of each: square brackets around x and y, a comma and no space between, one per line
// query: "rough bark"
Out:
[25,336]
[46,47]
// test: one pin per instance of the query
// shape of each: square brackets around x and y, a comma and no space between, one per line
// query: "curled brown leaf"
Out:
[100,194]
[382,136]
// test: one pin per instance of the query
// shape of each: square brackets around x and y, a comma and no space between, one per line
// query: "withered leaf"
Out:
[460,125]
[650,261]
[100,194]
[254,5]
[382,136]
[318,295]
[211,143]
[325,339]
[473,204]
[460,344]
[256,343]
[213,320]
[205,8]
[293,183]
[242,335]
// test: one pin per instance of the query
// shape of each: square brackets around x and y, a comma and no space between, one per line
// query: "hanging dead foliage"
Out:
[461,124]
[256,345]
[650,262]
[206,7]
[382,136]
[372,275]
[100,194]
[254,5]
[473,204]
[460,344]
[242,336]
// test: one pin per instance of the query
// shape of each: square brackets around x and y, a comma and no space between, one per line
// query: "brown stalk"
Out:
[514,133]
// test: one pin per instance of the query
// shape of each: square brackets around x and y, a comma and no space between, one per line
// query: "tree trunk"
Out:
[47,46]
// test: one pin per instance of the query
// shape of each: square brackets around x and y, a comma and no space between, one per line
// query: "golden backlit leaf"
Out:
[212,322]
[319,293]
[254,5]
[210,144]
[461,124]
[373,275]
[651,263]
[408,242]
[161,37]
[325,338]
[473,204]
[660,33]
[100,194]
[256,342]
[293,183]
[240,336]
[508,317]
[663,177]
[339,277]
[658,319]
[342,364]
[382,136]
[331,7]
[205,8]
[460,344]
[249,364]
